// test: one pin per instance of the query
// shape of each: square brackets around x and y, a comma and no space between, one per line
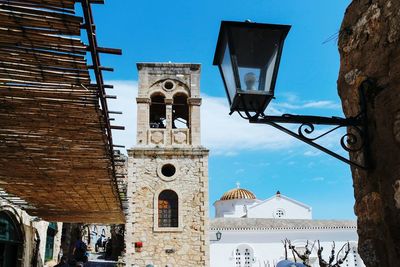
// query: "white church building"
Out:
[247,231]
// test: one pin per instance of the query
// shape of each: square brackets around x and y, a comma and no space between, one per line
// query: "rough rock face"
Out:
[369,46]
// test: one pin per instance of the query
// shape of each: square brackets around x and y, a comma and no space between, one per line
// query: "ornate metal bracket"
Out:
[354,140]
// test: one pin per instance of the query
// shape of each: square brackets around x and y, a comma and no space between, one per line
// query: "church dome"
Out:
[238,193]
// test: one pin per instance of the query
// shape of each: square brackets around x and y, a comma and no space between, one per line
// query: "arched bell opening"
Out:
[180,111]
[157,111]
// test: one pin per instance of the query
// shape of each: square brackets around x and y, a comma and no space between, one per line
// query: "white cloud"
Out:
[225,153]
[318,179]
[223,134]
[290,97]
[311,164]
[293,101]
[323,104]
[126,92]
[263,164]
[310,153]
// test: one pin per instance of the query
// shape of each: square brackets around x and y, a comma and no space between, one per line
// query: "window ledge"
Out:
[167,229]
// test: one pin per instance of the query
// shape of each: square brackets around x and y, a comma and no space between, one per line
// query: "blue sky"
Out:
[260,158]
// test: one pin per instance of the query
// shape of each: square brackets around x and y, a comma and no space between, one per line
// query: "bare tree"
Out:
[340,261]
[292,249]
[335,259]
[285,243]
[332,257]
[304,257]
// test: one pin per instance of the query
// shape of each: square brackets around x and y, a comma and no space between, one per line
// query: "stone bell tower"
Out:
[167,220]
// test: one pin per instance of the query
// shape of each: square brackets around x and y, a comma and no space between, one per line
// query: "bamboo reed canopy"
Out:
[56,150]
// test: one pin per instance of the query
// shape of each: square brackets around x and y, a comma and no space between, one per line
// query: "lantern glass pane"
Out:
[256,52]
[269,72]
[249,79]
[227,70]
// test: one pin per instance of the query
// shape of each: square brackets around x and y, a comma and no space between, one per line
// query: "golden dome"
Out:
[238,193]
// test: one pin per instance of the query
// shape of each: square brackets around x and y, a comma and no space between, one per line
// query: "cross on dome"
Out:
[237,185]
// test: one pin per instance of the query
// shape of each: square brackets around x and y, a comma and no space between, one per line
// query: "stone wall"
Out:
[369,46]
[186,79]
[34,232]
[188,244]
[186,163]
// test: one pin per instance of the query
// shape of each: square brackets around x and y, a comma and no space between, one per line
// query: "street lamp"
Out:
[248,56]
[218,235]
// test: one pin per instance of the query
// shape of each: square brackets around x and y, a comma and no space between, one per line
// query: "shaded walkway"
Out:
[97,260]
[101,263]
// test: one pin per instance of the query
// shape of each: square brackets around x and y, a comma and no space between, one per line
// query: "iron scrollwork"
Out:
[308,128]
[352,141]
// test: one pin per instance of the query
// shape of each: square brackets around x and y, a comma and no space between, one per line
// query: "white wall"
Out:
[235,208]
[253,208]
[268,248]
[269,208]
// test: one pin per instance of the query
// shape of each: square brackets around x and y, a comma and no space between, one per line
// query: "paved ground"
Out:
[100,263]
[97,260]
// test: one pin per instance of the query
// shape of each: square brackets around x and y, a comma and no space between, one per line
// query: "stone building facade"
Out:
[369,46]
[26,240]
[167,220]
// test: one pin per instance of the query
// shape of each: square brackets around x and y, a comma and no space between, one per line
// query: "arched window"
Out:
[10,241]
[168,209]
[180,112]
[157,111]
[244,256]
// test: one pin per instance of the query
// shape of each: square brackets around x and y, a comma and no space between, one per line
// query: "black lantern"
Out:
[218,235]
[248,56]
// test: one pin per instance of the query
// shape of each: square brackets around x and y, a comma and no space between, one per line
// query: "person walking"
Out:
[80,250]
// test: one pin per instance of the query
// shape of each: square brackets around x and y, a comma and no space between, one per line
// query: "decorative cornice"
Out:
[168,101]
[152,65]
[194,101]
[281,228]
[264,224]
[143,100]
[165,151]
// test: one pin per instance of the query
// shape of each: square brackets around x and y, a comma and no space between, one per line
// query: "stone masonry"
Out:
[147,242]
[369,46]
[34,234]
